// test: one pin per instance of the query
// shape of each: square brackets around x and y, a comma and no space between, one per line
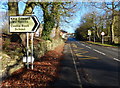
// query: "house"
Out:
[63,34]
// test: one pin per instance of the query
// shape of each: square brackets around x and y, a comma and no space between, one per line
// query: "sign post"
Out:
[27,50]
[89,33]
[94,35]
[25,24]
[102,33]
[32,34]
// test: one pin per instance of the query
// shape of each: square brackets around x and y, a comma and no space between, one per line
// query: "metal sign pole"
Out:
[102,39]
[89,38]
[102,33]
[32,34]
[27,50]
[94,36]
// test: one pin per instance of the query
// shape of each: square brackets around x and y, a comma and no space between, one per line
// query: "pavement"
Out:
[88,66]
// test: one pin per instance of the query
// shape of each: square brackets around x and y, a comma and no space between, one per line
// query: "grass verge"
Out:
[107,45]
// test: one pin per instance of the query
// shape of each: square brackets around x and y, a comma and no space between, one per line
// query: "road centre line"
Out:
[99,52]
[88,47]
[116,59]
[83,44]
[94,49]
[77,73]
[105,54]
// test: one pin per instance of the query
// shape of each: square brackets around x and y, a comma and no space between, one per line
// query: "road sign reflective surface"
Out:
[23,23]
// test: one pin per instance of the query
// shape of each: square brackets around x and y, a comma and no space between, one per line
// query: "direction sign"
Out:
[102,33]
[89,32]
[23,23]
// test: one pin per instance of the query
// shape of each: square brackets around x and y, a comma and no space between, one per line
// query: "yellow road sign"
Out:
[89,32]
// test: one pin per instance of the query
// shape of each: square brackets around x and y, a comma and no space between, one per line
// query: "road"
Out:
[89,66]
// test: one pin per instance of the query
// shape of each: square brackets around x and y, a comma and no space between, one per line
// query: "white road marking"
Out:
[116,59]
[77,73]
[95,50]
[88,47]
[83,44]
[103,53]
[99,52]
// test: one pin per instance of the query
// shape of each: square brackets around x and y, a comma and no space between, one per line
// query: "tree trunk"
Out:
[29,8]
[27,12]
[112,29]
[112,25]
[13,8]
[57,20]
[45,15]
[110,33]
[97,32]
[49,22]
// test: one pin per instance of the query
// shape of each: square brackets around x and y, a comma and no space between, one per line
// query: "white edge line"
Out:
[76,68]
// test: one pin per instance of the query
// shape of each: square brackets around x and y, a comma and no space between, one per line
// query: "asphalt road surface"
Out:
[89,66]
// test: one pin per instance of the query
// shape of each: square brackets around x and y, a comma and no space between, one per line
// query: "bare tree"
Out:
[109,7]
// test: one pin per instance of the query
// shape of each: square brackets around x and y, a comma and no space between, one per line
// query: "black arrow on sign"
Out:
[37,24]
